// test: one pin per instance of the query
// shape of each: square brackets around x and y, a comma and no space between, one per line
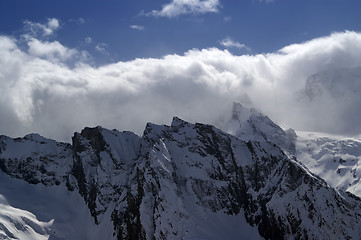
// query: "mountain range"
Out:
[250,180]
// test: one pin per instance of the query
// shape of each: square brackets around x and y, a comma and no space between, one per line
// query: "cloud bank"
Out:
[41,93]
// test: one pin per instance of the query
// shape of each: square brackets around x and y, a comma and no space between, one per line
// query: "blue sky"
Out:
[69,64]
[261,26]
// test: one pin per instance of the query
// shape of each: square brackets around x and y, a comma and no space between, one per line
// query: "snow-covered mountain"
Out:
[183,181]
[336,159]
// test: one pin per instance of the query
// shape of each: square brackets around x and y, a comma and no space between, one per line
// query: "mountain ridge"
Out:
[161,184]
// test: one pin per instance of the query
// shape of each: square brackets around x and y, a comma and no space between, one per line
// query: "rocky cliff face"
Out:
[176,181]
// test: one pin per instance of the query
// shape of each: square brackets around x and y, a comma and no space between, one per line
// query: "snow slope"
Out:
[19,224]
[336,159]
[60,214]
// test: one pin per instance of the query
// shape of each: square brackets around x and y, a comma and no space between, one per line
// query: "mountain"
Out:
[183,181]
[336,159]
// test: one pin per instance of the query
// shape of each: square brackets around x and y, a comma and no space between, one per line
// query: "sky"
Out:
[68,64]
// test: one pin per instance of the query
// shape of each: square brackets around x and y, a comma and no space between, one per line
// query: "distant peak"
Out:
[177,122]
[251,124]
[242,114]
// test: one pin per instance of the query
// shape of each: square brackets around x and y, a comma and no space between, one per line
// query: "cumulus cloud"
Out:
[137,27]
[230,43]
[293,86]
[181,7]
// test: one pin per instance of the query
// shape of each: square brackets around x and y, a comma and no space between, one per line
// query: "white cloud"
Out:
[181,7]
[230,43]
[137,27]
[53,24]
[44,30]
[50,50]
[39,94]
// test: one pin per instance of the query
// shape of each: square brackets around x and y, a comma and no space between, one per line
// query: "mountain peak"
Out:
[250,124]
[242,114]
[176,122]
[94,135]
